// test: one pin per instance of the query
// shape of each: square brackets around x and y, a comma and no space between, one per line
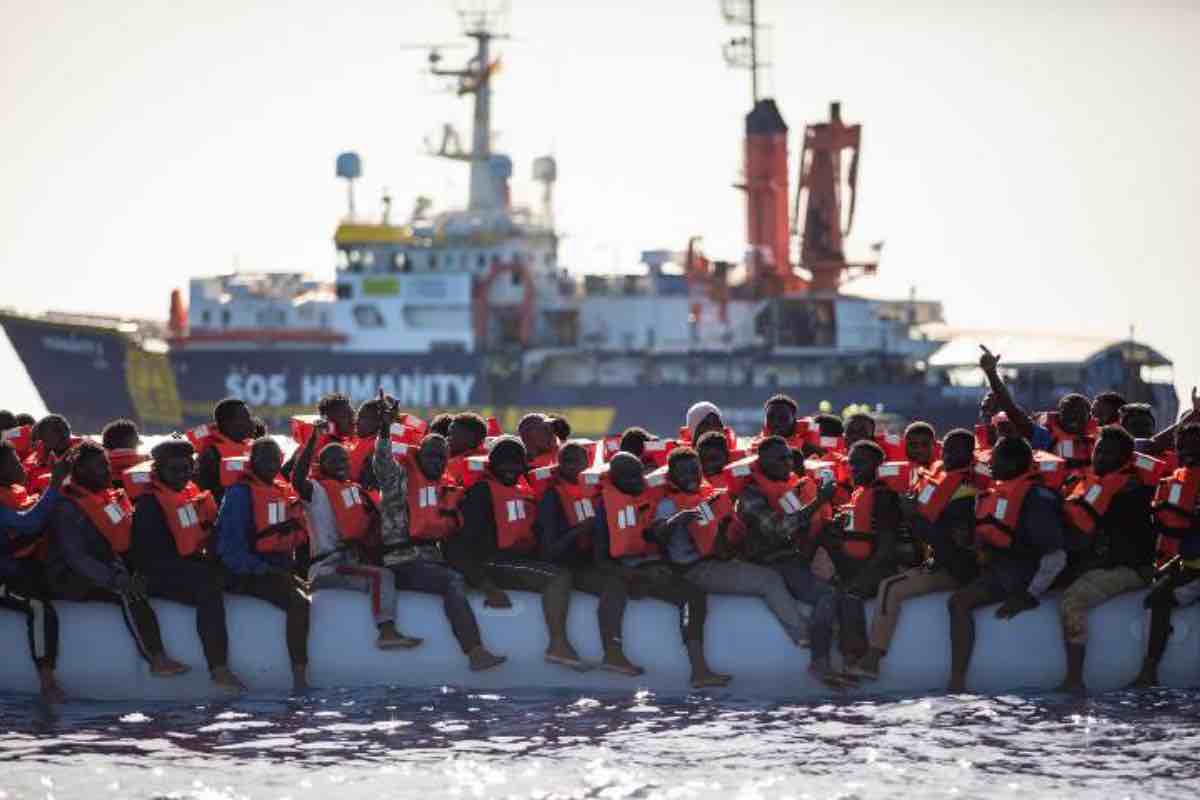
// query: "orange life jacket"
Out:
[189,514]
[235,456]
[351,507]
[1175,512]
[432,504]
[1149,470]
[628,518]
[137,479]
[514,511]
[121,459]
[731,442]
[998,510]
[1075,449]
[859,540]
[936,488]
[540,478]
[714,506]
[578,501]
[17,498]
[656,451]
[209,435]
[274,505]
[39,464]
[785,497]
[467,468]
[892,444]
[20,438]
[826,444]
[899,476]
[801,433]
[109,510]
[1090,498]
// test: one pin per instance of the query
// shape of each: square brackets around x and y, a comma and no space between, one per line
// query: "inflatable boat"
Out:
[98,660]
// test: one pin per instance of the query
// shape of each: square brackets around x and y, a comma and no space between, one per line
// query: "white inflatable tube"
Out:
[98,660]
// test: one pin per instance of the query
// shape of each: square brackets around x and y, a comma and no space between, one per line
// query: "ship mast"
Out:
[482,23]
[743,52]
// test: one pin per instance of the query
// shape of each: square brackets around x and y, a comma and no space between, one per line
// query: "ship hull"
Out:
[93,375]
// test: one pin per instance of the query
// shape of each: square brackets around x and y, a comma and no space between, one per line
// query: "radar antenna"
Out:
[483,21]
[745,51]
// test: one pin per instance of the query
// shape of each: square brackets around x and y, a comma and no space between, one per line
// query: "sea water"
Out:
[442,742]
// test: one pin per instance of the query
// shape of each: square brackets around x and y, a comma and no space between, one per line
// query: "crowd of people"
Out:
[815,515]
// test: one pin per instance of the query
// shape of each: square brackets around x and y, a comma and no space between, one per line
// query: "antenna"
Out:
[745,51]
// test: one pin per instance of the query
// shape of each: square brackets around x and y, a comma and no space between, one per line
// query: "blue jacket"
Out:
[20,528]
[235,527]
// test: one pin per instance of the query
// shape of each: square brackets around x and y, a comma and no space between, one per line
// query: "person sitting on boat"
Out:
[713,451]
[23,587]
[122,440]
[342,526]
[1064,432]
[541,445]
[229,437]
[862,540]
[259,526]
[170,549]
[623,546]
[564,524]
[440,424]
[941,510]
[701,418]
[1019,543]
[466,439]
[16,434]
[693,517]
[1138,419]
[90,534]
[337,411]
[827,437]
[920,445]
[633,441]
[560,426]
[497,548]
[1110,540]
[52,440]
[780,418]
[781,511]
[1176,511]
[417,515]
[1106,408]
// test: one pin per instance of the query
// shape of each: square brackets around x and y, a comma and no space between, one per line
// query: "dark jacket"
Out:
[947,536]
[557,543]
[77,546]
[19,529]
[1124,535]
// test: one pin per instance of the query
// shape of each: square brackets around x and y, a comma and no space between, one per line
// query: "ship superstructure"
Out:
[472,308]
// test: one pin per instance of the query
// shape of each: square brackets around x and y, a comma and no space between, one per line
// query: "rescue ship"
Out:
[471,309]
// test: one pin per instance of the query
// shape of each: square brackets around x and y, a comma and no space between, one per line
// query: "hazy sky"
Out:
[1032,166]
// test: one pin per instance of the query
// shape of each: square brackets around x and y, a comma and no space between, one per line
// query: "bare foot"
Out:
[224,678]
[299,678]
[165,667]
[481,658]
[616,661]
[1144,680]
[53,694]
[707,678]
[496,598]
[395,640]
[562,653]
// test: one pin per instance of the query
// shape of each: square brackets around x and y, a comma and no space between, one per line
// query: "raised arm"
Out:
[990,364]
[300,480]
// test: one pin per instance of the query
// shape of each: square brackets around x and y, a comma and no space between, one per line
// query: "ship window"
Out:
[343,260]
[433,259]
[368,317]
[400,263]
[481,262]
[225,316]
[516,277]
[369,258]
[345,291]
[205,317]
